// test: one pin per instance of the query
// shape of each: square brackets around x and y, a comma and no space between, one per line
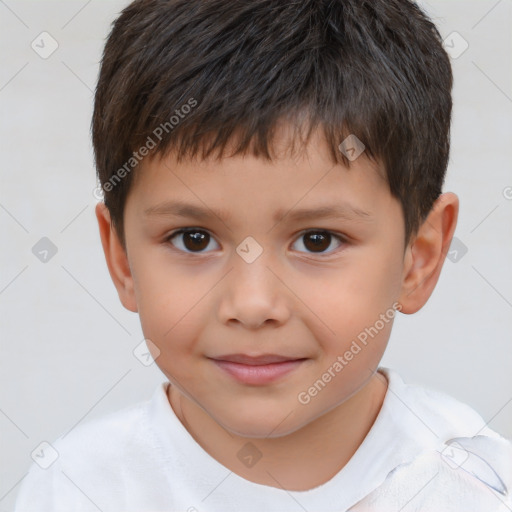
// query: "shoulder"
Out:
[442,415]
[458,463]
[102,438]
[75,467]
[468,474]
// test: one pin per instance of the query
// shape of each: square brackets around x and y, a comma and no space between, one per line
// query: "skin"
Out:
[292,300]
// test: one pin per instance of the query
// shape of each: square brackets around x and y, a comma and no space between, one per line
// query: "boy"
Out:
[233,140]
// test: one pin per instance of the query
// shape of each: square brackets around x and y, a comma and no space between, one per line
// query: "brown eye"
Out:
[318,241]
[192,240]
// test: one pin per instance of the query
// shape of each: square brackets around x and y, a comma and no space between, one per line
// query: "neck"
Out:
[298,461]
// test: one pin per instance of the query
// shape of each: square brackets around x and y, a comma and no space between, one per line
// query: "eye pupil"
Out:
[319,239]
[197,239]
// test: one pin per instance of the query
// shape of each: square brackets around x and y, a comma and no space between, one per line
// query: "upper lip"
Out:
[256,360]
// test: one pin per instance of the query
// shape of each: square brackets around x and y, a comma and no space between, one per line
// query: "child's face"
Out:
[203,297]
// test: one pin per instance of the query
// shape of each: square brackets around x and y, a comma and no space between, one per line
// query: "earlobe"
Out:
[116,258]
[426,253]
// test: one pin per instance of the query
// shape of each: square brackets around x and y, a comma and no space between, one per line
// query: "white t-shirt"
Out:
[142,459]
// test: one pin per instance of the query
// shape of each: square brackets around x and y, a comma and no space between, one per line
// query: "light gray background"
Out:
[67,343]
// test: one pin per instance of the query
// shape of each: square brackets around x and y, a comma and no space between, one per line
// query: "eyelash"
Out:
[342,239]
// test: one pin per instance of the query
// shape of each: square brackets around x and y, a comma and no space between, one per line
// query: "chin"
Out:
[259,423]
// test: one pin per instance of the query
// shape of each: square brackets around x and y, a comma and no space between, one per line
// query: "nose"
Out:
[254,294]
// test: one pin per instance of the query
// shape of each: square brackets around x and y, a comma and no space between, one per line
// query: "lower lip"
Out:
[258,374]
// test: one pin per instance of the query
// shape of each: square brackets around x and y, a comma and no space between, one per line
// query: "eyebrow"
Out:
[182,209]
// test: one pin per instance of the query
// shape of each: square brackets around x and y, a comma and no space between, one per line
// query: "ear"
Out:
[426,252]
[117,259]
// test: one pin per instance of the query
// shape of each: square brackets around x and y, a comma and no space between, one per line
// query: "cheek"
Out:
[354,311]
[348,299]
[170,305]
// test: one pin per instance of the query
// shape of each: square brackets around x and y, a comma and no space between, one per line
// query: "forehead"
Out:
[291,185]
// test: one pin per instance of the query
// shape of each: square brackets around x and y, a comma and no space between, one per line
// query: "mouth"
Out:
[257,370]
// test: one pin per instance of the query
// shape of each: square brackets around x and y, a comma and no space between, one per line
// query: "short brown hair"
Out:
[373,68]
